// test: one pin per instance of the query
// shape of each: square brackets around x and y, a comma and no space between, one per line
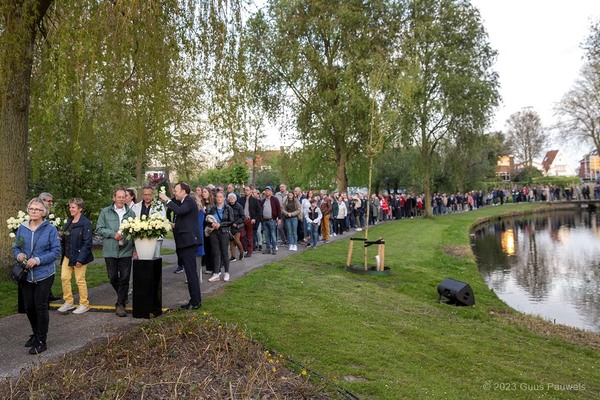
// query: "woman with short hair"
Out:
[77,251]
[37,247]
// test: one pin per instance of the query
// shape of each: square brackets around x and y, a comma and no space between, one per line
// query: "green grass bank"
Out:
[388,338]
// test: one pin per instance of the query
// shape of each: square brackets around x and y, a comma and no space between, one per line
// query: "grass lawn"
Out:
[389,338]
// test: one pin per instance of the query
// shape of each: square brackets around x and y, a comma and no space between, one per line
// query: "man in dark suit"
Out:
[187,238]
[252,212]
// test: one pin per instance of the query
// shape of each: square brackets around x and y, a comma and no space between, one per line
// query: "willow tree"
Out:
[104,85]
[19,20]
[446,88]
[318,55]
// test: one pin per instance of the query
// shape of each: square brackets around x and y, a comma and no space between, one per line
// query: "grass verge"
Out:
[388,338]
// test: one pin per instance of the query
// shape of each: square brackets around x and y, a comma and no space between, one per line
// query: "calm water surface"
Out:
[547,265]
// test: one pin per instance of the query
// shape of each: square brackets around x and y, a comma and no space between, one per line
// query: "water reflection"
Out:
[548,265]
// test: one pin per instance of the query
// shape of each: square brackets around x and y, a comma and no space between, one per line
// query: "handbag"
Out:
[19,272]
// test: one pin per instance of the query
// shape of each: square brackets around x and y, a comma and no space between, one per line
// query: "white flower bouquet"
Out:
[154,226]
[54,220]
[13,222]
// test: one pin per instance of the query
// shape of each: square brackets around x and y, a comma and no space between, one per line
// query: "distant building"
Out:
[589,166]
[505,167]
[555,164]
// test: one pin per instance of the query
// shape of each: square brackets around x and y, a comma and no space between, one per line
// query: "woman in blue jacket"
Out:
[77,245]
[37,247]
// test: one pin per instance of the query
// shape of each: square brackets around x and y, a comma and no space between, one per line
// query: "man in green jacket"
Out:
[117,250]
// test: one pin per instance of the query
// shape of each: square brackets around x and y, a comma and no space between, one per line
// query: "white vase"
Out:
[145,248]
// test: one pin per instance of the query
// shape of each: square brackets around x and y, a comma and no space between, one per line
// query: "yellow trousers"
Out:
[65,278]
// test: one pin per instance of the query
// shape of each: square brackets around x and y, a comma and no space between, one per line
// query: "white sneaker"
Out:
[294,248]
[66,307]
[81,309]
[226,277]
[215,277]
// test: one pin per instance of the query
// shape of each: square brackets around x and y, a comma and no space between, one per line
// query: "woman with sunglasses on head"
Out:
[37,248]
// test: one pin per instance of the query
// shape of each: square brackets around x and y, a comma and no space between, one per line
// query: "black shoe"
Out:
[53,297]
[241,257]
[274,252]
[233,259]
[38,347]
[247,255]
[178,270]
[189,306]
[31,341]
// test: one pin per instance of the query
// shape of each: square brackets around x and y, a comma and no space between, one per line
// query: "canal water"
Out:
[545,264]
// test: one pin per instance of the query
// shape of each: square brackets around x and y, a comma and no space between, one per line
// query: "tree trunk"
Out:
[341,178]
[16,44]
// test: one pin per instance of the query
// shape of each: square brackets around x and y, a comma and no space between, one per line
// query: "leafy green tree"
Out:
[446,87]
[321,53]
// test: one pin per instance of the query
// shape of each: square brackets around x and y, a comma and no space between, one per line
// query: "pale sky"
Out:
[540,57]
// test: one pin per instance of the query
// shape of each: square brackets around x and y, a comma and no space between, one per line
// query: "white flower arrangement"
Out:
[13,222]
[143,227]
[54,220]
[163,190]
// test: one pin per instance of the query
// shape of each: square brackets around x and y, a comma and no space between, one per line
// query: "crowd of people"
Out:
[218,226]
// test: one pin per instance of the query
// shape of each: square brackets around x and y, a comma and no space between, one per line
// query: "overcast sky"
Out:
[540,57]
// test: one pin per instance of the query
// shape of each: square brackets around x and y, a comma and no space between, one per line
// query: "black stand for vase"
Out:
[147,288]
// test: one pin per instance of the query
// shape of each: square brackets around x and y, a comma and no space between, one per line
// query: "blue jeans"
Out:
[291,225]
[270,232]
[313,231]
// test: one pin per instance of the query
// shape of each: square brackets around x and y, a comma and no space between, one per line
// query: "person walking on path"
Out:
[271,218]
[117,249]
[222,219]
[77,254]
[251,207]
[37,247]
[290,211]
[187,238]
[313,219]
[236,227]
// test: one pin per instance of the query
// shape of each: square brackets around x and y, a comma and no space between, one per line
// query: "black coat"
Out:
[227,218]
[79,237]
[253,208]
[187,229]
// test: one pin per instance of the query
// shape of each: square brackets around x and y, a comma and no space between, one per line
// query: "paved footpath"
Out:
[69,332]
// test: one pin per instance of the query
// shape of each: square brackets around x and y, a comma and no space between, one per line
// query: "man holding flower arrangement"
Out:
[117,249]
